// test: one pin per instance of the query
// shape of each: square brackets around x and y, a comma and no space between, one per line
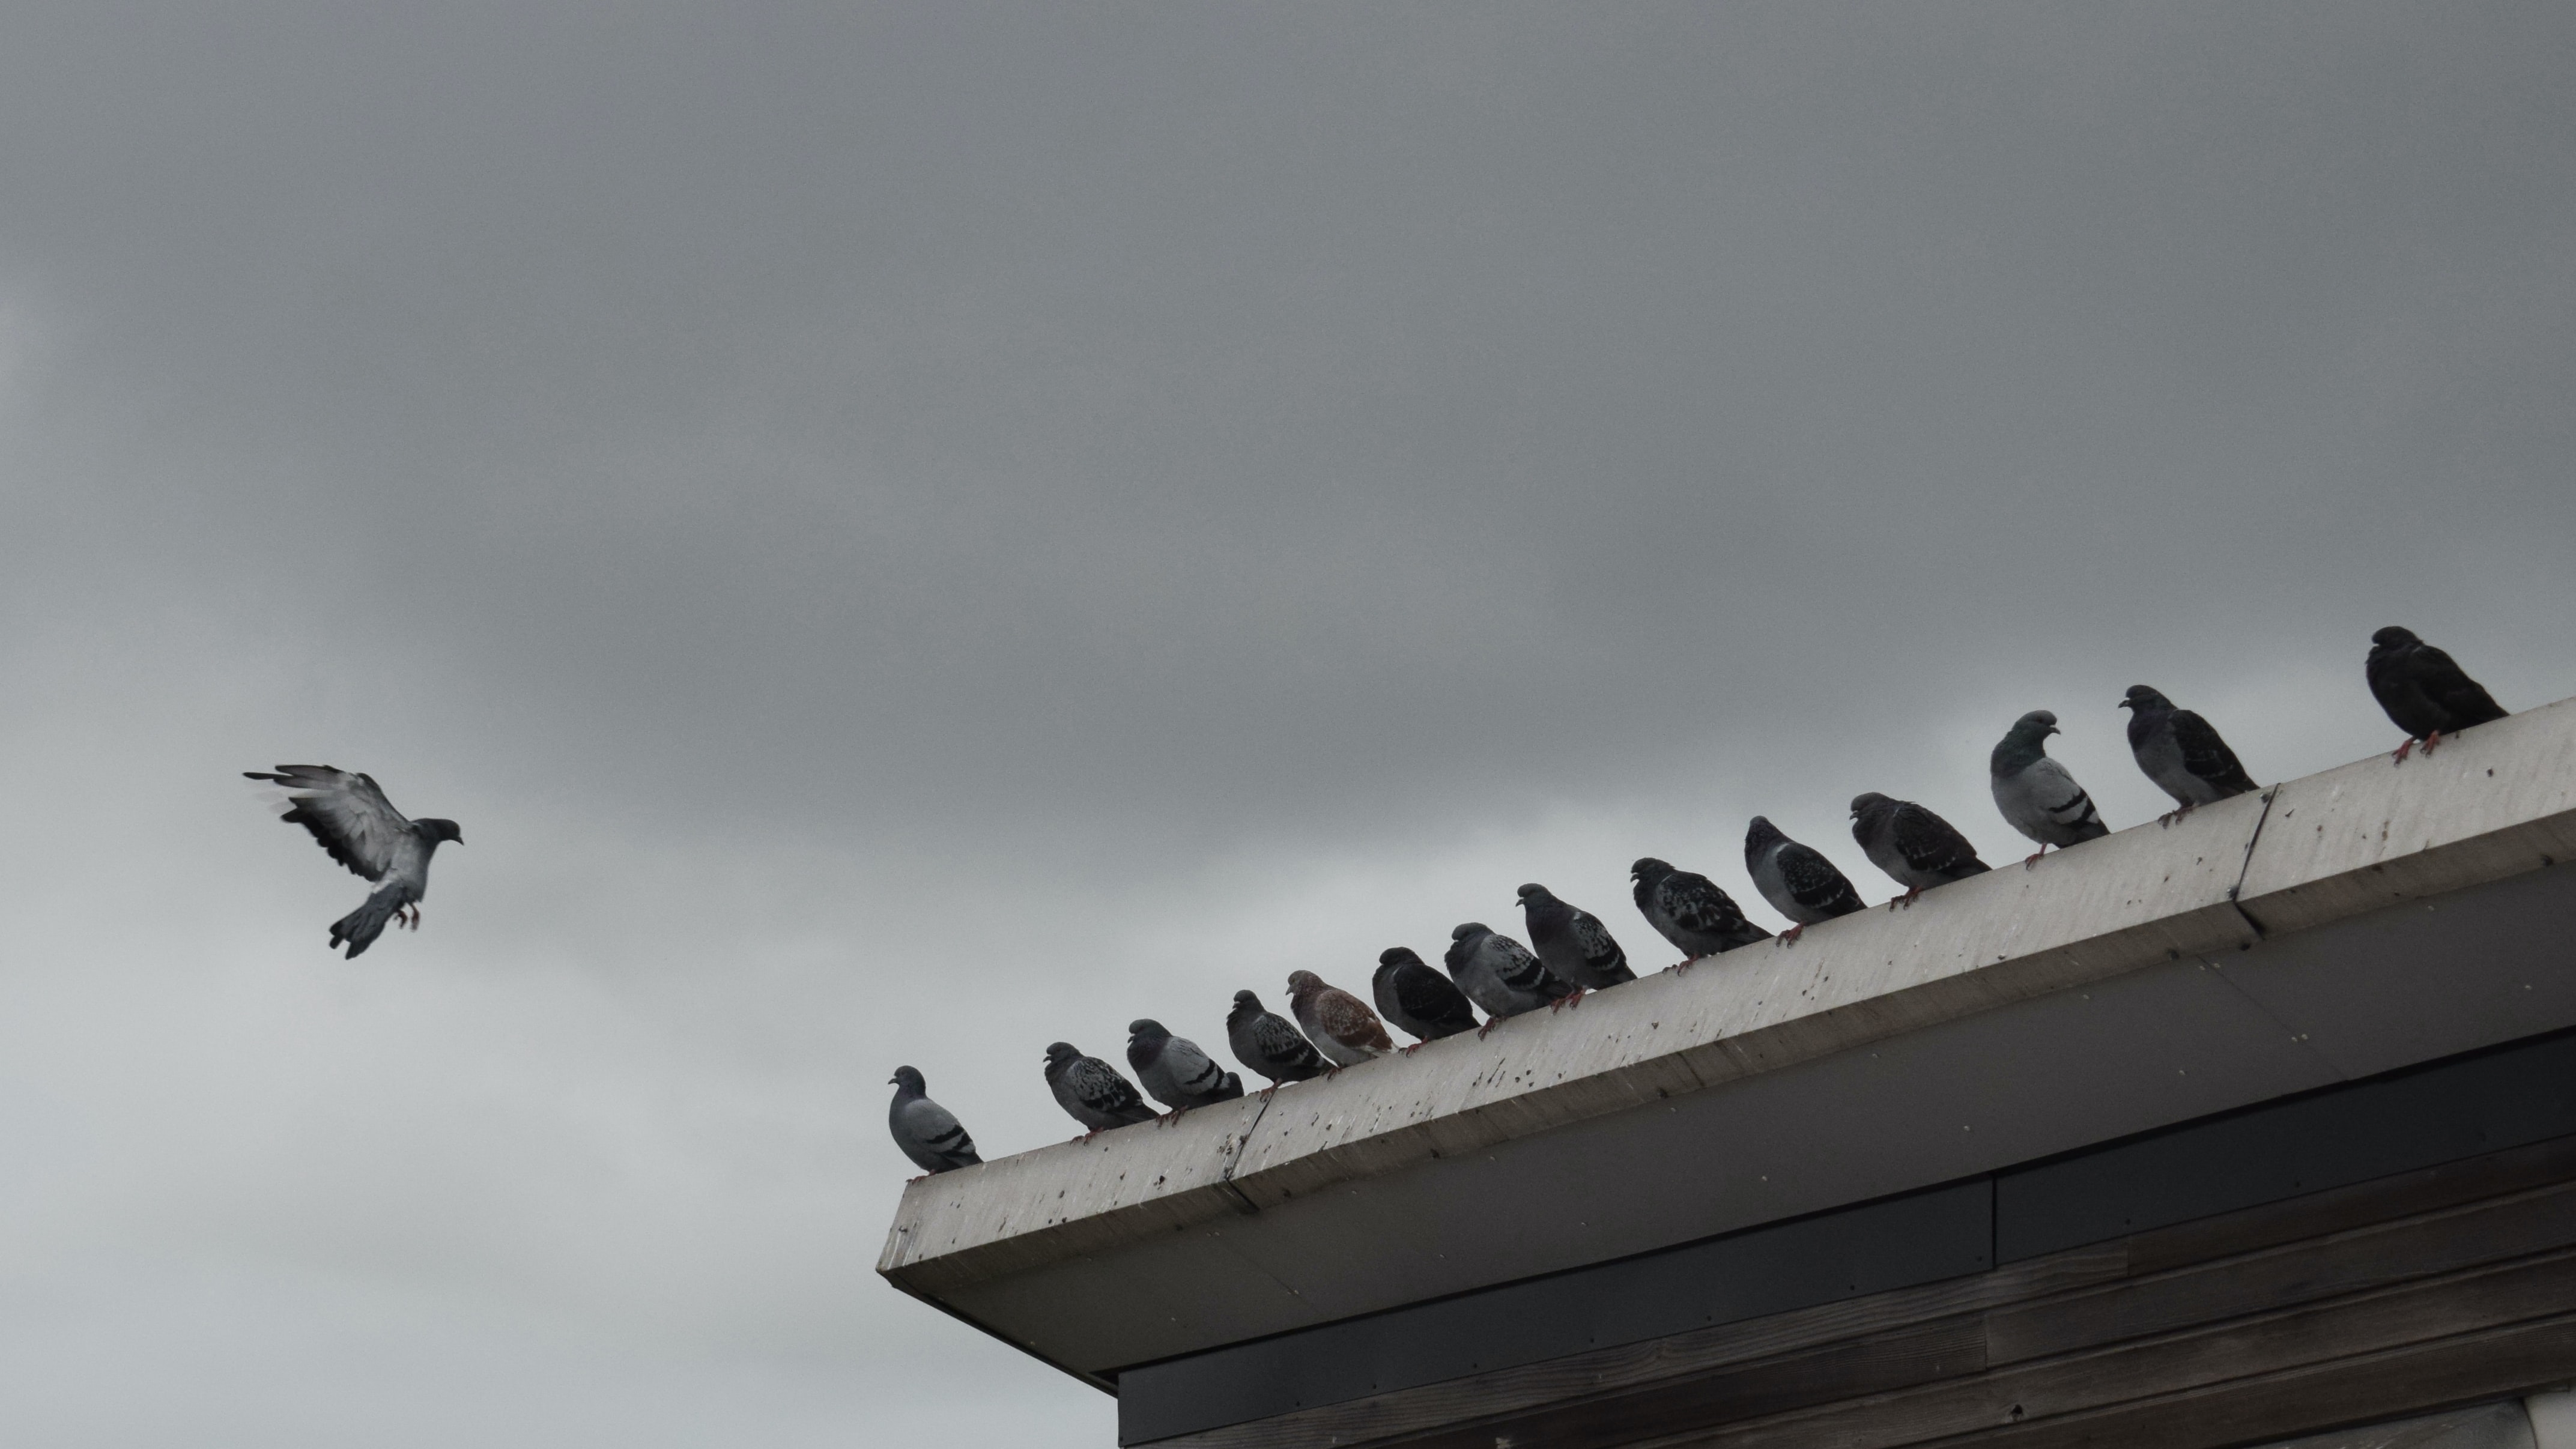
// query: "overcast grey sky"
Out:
[906,533]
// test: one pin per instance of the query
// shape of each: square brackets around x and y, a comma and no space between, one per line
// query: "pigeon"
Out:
[1266,1043]
[1175,1071]
[1339,1024]
[1796,879]
[363,831]
[1500,975]
[2037,795]
[1573,942]
[2425,694]
[1091,1091]
[2181,753]
[927,1132]
[1419,999]
[1917,848]
[1690,911]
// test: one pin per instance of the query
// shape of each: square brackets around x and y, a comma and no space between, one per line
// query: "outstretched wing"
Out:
[346,812]
[1814,882]
[1931,844]
[2207,756]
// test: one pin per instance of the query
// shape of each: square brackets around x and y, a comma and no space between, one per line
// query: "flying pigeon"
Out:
[1917,848]
[1175,1071]
[2425,694]
[1264,1042]
[927,1132]
[1796,879]
[2037,795]
[1500,975]
[363,831]
[1419,999]
[1573,942]
[1690,911]
[2181,753]
[1339,1024]
[1091,1091]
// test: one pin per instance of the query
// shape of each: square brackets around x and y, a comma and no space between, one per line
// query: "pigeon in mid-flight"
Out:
[928,1133]
[363,831]
[1265,1042]
[2037,795]
[1572,941]
[2181,752]
[1690,911]
[1175,1071]
[1916,848]
[1500,975]
[1091,1091]
[1796,879]
[1339,1024]
[1422,1001]
[2424,692]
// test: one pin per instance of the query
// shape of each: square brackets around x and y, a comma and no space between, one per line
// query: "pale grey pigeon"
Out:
[363,831]
[1689,910]
[2182,753]
[1339,1024]
[1500,974]
[1572,941]
[1091,1091]
[928,1133]
[2424,692]
[1267,1043]
[1175,1071]
[1422,1001]
[2037,795]
[1796,879]
[1916,848]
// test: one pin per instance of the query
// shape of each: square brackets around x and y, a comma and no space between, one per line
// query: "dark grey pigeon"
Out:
[1573,942]
[1690,911]
[2425,694]
[1422,1001]
[1270,1044]
[1917,848]
[2037,795]
[927,1132]
[1796,879]
[1174,1071]
[2181,753]
[363,831]
[1500,974]
[1091,1091]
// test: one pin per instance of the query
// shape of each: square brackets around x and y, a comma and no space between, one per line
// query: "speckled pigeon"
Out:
[2037,795]
[1500,974]
[1091,1091]
[1339,1024]
[1689,910]
[927,1132]
[1175,1071]
[1267,1043]
[2424,692]
[2181,752]
[1422,1001]
[1796,879]
[1572,941]
[362,830]
[1917,848]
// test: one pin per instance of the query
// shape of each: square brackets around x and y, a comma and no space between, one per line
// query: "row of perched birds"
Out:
[1570,952]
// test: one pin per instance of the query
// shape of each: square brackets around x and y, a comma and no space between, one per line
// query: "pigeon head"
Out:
[1647,866]
[1061,1054]
[1761,833]
[1246,1002]
[1146,1028]
[1870,804]
[437,829]
[1471,928]
[1302,984]
[2038,722]
[908,1079]
[1397,956]
[1535,894]
[2393,637]
[2142,697]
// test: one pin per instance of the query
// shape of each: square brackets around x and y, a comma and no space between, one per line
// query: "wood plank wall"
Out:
[2370,1302]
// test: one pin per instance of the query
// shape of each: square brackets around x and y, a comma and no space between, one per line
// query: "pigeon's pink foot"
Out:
[1679,968]
[1267,1092]
[1790,936]
[2405,747]
[1487,1027]
[1907,900]
[2033,862]
[1332,1071]
[1408,1051]
[925,1177]
[1563,1002]
[2430,741]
